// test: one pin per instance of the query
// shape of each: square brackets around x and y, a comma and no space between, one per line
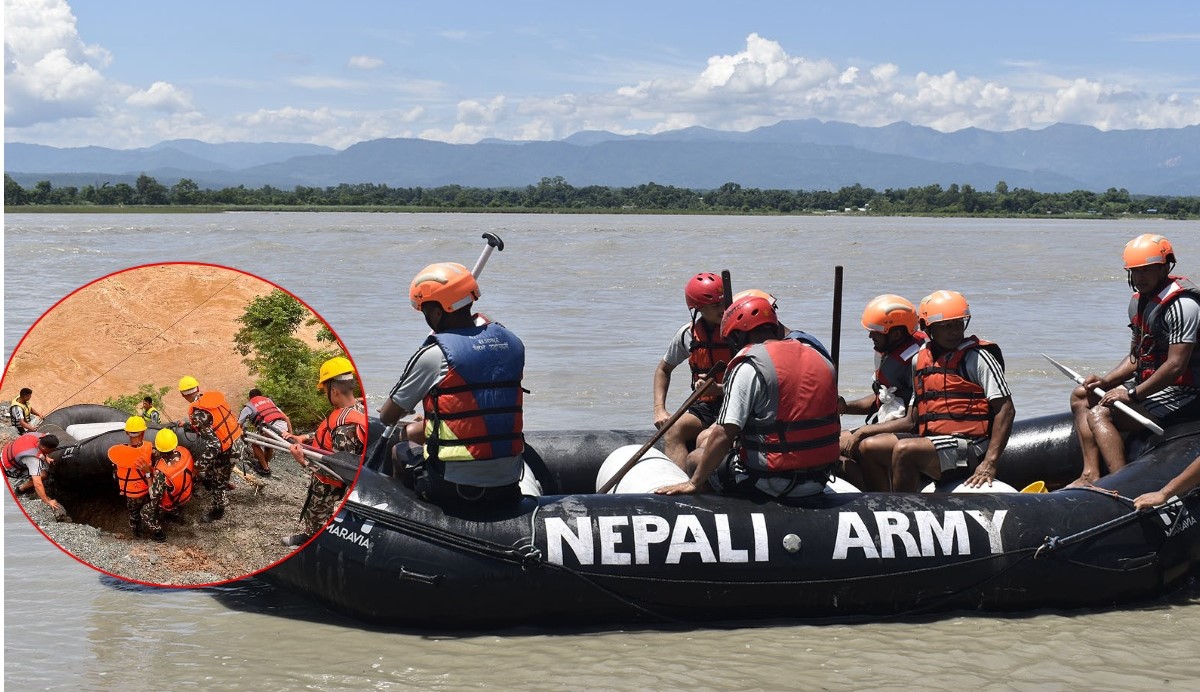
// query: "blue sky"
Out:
[125,74]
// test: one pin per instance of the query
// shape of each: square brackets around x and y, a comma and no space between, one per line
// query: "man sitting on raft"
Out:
[962,409]
[779,419]
[1160,377]
[467,377]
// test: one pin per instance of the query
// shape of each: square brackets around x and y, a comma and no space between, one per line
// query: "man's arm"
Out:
[717,445]
[1187,479]
[1003,412]
[662,382]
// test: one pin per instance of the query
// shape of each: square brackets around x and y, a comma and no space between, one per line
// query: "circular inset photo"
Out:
[181,424]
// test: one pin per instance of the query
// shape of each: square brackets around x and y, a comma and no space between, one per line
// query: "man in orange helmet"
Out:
[891,323]
[961,408]
[779,418]
[1161,375]
[467,378]
[698,343]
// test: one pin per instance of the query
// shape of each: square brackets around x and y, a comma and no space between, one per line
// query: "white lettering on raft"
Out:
[929,537]
[624,540]
[350,535]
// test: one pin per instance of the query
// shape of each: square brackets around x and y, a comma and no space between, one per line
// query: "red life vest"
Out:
[705,350]
[947,402]
[895,368]
[180,471]
[131,480]
[802,425]
[224,423]
[324,437]
[265,411]
[1149,346]
[14,449]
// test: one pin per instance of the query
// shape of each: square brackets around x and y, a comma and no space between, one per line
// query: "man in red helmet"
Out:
[1161,375]
[961,408]
[777,432]
[698,342]
[467,379]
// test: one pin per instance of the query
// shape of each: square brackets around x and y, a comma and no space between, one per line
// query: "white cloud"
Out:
[365,62]
[51,75]
[161,96]
[321,82]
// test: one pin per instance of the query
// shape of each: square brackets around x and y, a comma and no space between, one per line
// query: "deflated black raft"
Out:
[573,557]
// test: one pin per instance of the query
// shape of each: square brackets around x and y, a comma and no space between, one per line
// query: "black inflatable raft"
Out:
[573,557]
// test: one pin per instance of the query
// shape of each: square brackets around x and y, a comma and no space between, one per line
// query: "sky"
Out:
[125,74]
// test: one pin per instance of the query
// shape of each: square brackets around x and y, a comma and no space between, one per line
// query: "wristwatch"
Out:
[1132,389]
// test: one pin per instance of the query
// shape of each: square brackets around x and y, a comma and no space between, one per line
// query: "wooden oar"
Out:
[710,379]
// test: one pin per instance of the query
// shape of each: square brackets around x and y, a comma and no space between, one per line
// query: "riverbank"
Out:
[633,211]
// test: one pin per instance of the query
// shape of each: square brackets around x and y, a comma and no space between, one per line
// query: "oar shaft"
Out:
[709,381]
[1119,405]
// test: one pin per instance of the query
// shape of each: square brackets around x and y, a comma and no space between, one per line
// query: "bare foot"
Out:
[1080,482]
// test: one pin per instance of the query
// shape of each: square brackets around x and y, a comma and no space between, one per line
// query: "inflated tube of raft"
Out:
[654,470]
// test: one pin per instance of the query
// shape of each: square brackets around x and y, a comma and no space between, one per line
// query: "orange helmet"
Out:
[450,284]
[754,292]
[887,311]
[941,306]
[1148,248]
[705,288]
[746,314]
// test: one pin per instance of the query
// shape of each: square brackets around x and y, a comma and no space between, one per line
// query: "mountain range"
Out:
[793,155]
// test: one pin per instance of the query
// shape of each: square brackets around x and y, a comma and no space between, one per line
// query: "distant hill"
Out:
[794,154]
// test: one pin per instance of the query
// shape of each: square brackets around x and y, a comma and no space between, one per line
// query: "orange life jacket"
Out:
[265,411]
[180,471]
[947,402]
[1149,346]
[802,429]
[705,350]
[14,449]
[324,437]
[131,480]
[224,423]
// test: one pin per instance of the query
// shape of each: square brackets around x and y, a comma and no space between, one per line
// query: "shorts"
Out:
[956,452]
[1171,406]
[706,411]
[732,478]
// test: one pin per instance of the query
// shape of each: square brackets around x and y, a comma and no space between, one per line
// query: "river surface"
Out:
[595,299]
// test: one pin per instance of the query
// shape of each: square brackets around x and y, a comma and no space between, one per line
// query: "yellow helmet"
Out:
[135,424]
[187,383]
[336,368]
[166,440]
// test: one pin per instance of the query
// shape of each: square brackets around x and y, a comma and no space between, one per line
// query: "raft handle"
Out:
[427,579]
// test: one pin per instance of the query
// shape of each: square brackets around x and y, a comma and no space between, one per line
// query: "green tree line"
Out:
[557,194]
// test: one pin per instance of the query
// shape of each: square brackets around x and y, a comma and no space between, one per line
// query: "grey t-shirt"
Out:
[677,350]
[746,397]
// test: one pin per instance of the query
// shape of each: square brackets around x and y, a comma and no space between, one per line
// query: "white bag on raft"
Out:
[653,471]
[530,486]
[84,431]
[961,487]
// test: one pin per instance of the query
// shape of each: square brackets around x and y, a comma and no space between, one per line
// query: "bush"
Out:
[129,402]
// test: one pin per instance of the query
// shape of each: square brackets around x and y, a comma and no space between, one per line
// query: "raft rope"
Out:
[138,350]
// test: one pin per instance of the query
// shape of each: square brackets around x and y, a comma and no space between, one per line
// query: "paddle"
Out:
[710,378]
[1052,543]
[493,243]
[726,289]
[837,320]
[1120,405]
[314,459]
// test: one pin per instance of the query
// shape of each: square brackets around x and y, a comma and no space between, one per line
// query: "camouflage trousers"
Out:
[137,507]
[153,513]
[213,471]
[323,499]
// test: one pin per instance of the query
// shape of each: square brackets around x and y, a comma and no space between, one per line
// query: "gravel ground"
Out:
[244,541]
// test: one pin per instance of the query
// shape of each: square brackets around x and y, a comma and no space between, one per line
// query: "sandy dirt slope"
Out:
[154,325]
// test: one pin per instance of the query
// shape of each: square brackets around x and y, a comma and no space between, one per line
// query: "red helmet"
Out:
[703,289]
[746,314]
